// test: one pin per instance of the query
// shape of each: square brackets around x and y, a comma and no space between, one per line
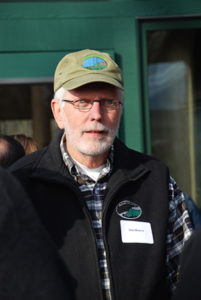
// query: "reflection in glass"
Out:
[172,119]
[25,109]
[174,90]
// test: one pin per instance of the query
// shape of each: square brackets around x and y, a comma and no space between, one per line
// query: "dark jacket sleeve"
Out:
[30,267]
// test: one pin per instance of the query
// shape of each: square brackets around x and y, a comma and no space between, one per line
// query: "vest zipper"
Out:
[86,212]
[124,183]
[78,193]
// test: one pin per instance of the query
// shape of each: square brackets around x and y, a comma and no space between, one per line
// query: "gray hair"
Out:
[60,93]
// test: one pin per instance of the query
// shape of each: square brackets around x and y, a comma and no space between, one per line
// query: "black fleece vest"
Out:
[137,270]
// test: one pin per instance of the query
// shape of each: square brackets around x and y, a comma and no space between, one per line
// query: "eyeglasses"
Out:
[86,104]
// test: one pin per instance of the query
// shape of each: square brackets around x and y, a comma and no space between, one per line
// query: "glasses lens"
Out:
[83,104]
[86,104]
[110,104]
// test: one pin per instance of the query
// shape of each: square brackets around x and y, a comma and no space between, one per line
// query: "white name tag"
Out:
[136,232]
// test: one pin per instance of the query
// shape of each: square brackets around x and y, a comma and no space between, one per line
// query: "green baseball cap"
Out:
[87,66]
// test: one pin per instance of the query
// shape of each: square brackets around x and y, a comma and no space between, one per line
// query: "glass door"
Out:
[26,89]
[172,76]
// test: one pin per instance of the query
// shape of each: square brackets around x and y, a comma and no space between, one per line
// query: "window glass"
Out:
[175,104]
[25,109]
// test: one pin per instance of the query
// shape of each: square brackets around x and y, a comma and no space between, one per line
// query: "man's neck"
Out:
[89,161]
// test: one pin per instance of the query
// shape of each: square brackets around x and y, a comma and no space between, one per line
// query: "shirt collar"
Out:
[73,170]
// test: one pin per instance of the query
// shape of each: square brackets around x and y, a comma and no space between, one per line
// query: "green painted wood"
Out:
[54,35]
[126,46]
[31,64]
[145,96]
[61,9]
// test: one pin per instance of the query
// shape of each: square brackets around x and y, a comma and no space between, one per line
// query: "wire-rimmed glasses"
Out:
[86,104]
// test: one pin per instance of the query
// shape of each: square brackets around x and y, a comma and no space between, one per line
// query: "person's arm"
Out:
[179,230]
[190,272]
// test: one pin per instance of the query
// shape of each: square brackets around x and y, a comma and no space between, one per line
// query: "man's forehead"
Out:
[95,90]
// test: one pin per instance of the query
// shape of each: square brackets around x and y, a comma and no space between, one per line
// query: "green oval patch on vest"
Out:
[128,210]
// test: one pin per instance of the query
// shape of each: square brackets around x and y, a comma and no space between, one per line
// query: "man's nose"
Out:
[96,111]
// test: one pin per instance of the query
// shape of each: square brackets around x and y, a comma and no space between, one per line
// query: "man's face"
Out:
[90,132]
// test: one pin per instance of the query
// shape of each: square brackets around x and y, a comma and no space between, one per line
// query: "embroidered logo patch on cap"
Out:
[128,210]
[94,63]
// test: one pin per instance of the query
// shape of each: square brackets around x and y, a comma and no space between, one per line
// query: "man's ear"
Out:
[56,109]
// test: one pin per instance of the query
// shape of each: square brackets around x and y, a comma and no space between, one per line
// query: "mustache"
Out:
[97,127]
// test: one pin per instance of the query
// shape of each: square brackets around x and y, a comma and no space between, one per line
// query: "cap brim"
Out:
[90,78]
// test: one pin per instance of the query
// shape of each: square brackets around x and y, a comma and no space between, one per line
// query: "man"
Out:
[116,216]
[10,150]
[30,267]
